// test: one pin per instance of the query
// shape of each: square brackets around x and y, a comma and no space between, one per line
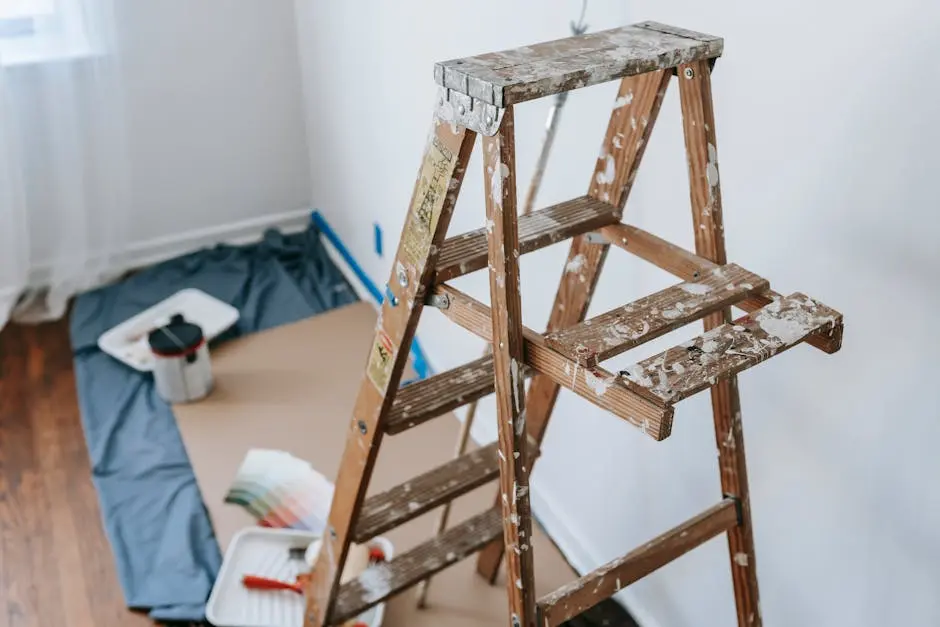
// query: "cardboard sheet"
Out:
[293,388]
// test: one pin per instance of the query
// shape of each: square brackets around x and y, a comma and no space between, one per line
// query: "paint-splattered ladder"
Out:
[477,95]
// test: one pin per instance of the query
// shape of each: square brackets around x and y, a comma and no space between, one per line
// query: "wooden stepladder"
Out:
[476,96]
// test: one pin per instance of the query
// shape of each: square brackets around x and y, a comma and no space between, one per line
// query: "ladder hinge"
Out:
[472,113]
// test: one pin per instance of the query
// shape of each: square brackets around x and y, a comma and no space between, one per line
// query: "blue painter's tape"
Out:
[321,224]
[419,360]
[377,231]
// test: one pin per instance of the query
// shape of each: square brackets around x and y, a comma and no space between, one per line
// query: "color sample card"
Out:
[281,491]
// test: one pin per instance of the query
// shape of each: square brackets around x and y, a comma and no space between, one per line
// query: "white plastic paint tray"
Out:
[266,553]
[127,342]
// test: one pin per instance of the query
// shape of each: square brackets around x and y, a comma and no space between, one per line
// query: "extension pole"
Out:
[551,128]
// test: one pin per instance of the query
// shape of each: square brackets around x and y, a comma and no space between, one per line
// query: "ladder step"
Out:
[689,266]
[586,592]
[382,581]
[732,348]
[513,76]
[621,329]
[425,492]
[467,253]
[634,404]
[432,397]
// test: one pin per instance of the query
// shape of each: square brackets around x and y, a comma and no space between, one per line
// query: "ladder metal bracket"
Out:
[463,110]
[738,507]
[596,238]
[439,301]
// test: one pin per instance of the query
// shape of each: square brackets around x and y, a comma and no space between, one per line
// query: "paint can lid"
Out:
[176,339]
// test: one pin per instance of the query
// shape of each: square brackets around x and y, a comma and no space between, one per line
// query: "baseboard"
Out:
[148,252]
[550,515]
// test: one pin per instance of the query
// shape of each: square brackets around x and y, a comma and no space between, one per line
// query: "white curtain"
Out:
[63,168]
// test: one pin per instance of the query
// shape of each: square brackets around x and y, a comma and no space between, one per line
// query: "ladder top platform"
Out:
[512,76]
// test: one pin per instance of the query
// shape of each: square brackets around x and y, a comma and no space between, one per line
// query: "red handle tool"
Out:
[263,583]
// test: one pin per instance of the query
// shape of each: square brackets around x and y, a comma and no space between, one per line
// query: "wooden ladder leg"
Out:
[435,192]
[631,123]
[499,161]
[698,120]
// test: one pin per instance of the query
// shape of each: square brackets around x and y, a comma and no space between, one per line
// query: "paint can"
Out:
[182,371]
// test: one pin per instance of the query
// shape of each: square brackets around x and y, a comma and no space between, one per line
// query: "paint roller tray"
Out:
[127,342]
[266,553]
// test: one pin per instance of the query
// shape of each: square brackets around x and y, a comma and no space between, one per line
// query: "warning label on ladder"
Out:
[380,361]
[433,180]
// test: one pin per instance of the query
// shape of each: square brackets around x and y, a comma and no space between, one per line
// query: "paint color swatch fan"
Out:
[281,491]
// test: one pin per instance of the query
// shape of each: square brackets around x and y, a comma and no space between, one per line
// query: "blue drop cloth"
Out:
[166,553]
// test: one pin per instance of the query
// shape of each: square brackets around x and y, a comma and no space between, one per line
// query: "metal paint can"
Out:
[182,371]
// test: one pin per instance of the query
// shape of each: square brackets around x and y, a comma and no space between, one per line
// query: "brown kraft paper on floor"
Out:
[293,388]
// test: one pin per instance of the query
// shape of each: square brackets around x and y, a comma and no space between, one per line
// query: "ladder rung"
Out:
[621,329]
[586,592]
[467,253]
[382,581]
[425,492]
[512,76]
[689,266]
[429,398]
[732,348]
[605,389]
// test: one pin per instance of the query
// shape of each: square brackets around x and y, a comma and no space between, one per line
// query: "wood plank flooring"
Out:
[56,566]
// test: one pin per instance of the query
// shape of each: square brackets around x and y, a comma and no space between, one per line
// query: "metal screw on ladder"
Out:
[438,301]
[402,275]
[689,72]
[363,428]
[390,296]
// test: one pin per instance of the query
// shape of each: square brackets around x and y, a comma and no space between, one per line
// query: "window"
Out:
[33,31]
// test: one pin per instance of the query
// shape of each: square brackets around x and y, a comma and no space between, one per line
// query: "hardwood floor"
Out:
[56,566]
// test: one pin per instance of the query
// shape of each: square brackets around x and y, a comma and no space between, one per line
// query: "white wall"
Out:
[826,138]
[215,126]
[216,114]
